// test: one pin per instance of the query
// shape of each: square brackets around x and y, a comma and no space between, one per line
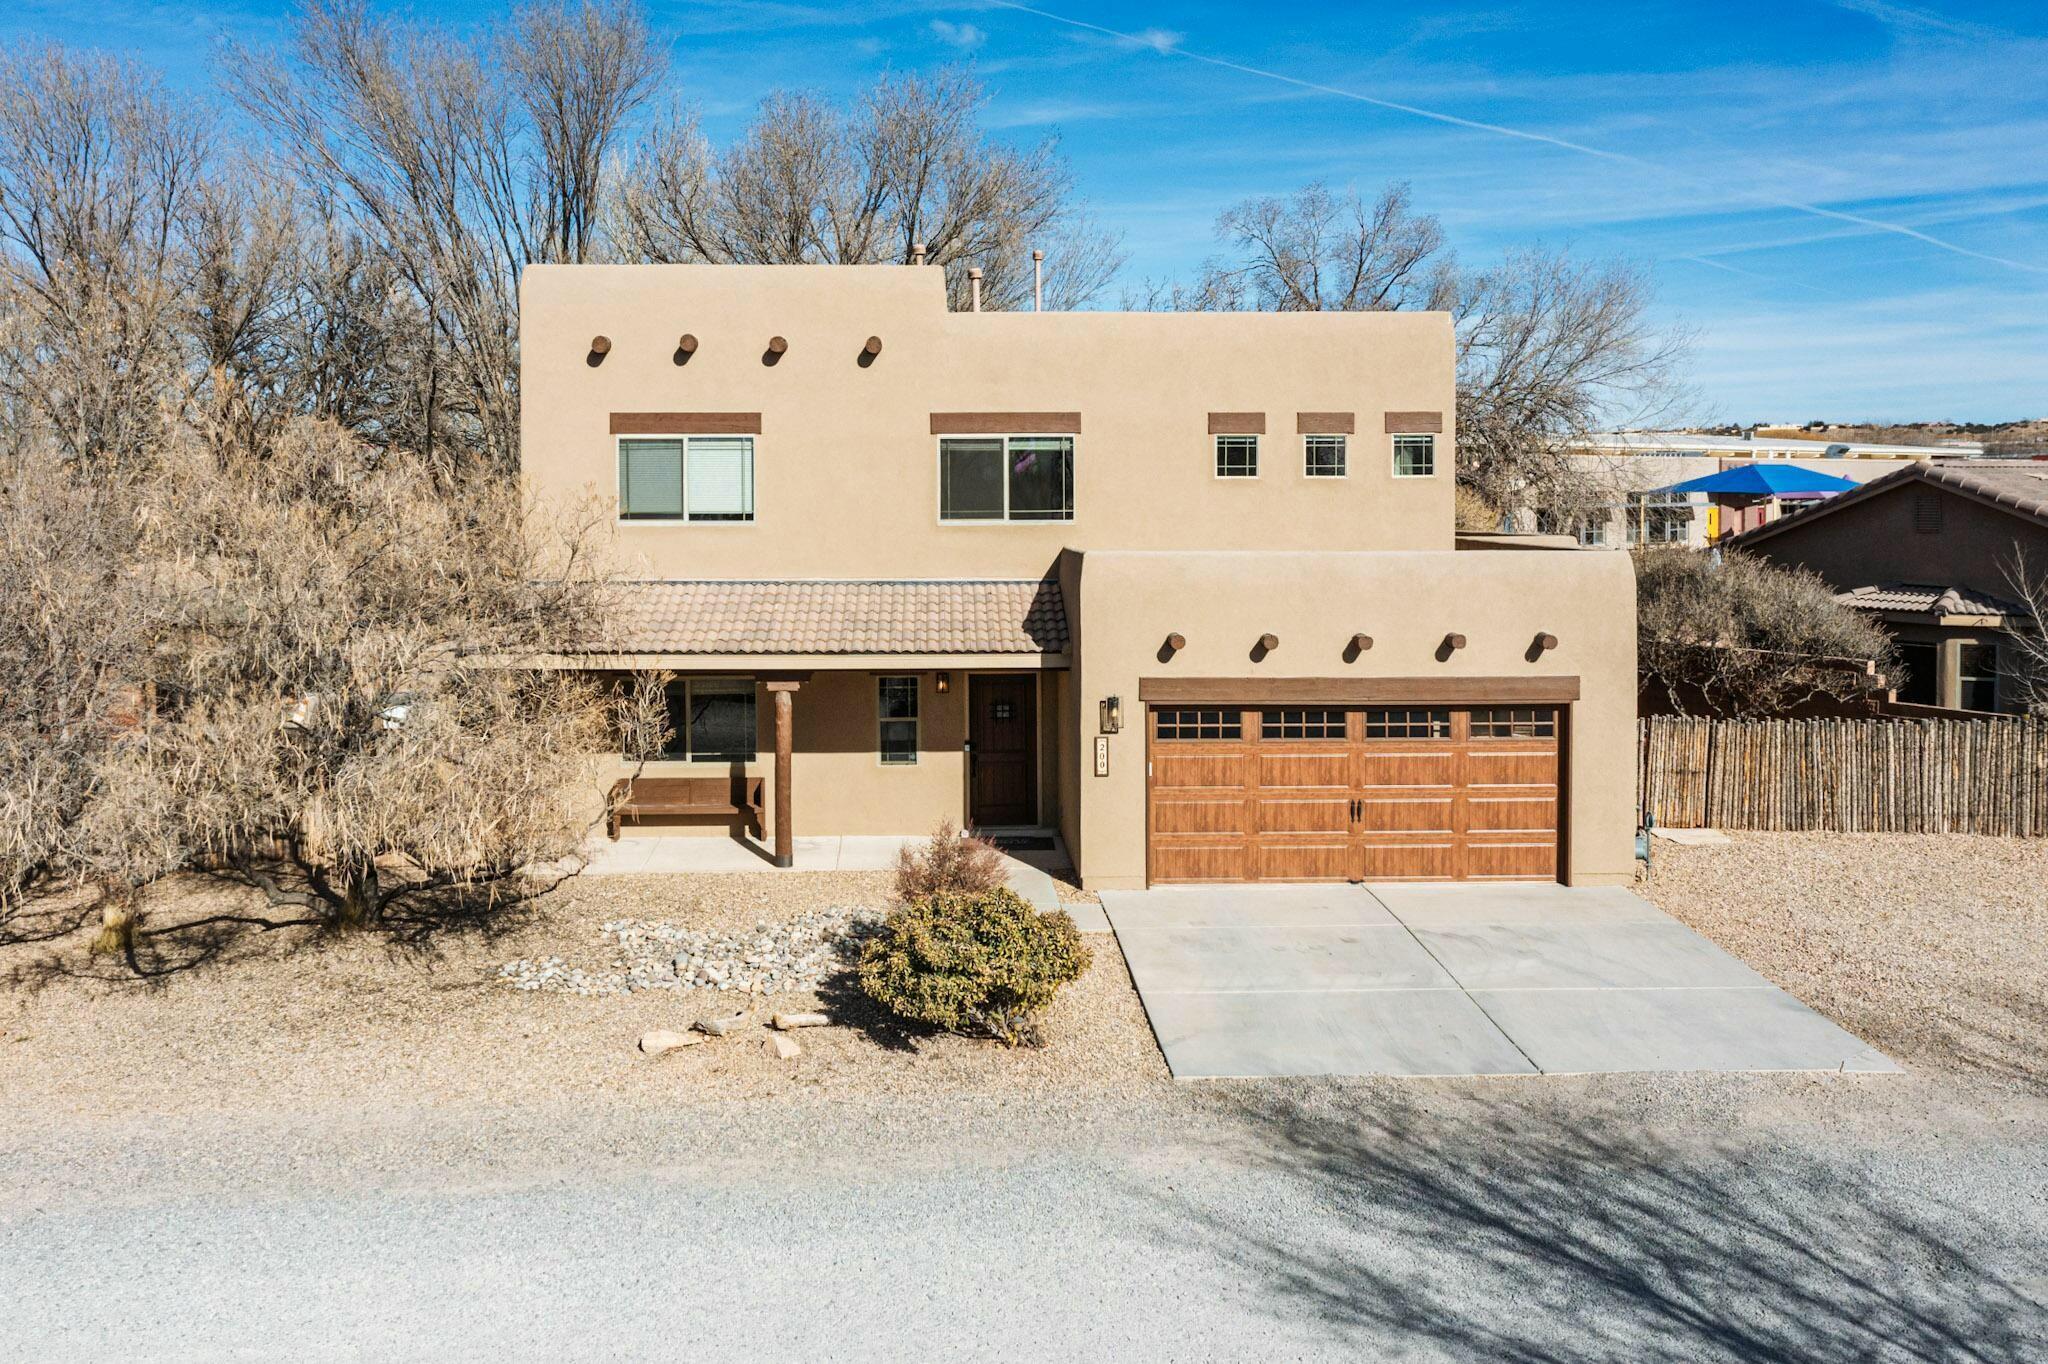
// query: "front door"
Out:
[1003,764]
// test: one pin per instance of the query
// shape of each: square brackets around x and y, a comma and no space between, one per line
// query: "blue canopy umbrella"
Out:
[1764,480]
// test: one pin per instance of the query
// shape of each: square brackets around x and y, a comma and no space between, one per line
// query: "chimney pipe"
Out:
[1037,281]
[974,289]
[917,253]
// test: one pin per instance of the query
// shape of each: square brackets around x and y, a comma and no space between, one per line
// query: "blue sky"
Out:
[1846,199]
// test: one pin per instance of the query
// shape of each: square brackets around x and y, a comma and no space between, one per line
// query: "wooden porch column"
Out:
[785,725]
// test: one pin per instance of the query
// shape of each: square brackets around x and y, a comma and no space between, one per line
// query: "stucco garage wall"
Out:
[1128,602]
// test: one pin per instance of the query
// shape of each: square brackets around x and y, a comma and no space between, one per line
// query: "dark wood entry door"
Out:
[1003,766]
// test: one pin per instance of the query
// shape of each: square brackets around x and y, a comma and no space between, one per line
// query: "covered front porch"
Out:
[802,710]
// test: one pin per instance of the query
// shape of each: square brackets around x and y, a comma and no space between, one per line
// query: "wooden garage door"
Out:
[1412,793]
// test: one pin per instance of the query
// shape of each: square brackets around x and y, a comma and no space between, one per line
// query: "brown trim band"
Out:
[1237,423]
[1337,691]
[686,423]
[1415,423]
[1006,423]
[1325,423]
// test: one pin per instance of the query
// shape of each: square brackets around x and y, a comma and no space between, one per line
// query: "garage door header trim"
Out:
[1356,690]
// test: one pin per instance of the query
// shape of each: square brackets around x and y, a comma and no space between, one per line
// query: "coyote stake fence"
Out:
[1979,776]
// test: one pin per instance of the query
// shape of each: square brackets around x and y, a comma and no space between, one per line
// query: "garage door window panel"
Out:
[1200,724]
[1408,724]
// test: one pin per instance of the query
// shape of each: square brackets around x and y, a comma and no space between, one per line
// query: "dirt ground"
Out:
[1933,948]
[249,1019]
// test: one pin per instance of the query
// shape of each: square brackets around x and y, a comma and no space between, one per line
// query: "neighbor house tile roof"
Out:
[2019,486]
[829,616]
[1928,598]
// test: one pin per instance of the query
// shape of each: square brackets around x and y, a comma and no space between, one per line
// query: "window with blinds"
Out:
[694,478]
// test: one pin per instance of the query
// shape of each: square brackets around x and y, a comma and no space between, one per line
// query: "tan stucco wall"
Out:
[846,468]
[1315,602]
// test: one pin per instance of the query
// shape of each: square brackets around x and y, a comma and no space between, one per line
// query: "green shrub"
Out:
[984,963]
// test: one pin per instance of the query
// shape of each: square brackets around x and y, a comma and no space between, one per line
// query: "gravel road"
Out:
[1653,1218]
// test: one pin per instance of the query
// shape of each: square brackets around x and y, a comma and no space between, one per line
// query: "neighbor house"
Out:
[1181,589]
[1635,467]
[1931,552]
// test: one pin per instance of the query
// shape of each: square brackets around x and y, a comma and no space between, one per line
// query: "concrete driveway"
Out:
[1470,979]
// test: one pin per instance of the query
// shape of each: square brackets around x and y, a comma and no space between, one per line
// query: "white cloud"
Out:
[966,37]
[1158,39]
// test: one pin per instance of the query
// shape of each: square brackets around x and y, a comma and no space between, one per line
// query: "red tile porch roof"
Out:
[831,616]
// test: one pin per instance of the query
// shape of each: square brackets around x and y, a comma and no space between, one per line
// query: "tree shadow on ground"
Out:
[216,918]
[1518,1230]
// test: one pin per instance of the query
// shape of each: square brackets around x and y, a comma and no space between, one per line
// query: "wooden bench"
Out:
[733,795]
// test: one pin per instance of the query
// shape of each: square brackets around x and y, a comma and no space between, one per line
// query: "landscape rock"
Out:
[785,1047]
[794,955]
[661,1041]
[787,1022]
[722,1026]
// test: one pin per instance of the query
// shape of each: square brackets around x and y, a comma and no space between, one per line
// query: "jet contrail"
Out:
[1544,139]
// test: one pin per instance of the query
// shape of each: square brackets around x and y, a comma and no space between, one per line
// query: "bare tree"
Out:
[342,716]
[98,170]
[1548,347]
[69,632]
[1316,252]
[2028,639]
[461,161]
[1739,636]
[908,163]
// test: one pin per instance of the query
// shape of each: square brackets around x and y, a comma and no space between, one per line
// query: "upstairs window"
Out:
[1006,478]
[1325,456]
[1414,456]
[1237,457]
[687,478]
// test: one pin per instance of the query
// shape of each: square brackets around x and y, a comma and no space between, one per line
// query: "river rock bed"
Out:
[790,955]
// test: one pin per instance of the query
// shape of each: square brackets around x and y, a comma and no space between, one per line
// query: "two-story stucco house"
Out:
[1180,588]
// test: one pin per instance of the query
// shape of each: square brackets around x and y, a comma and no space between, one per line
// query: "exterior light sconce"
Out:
[942,683]
[686,346]
[600,346]
[1112,714]
[776,347]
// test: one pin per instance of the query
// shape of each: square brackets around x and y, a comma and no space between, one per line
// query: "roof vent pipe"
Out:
[1037,281]
[974,289]
[917,253]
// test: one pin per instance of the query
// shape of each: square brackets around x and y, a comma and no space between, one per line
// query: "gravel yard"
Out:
[287,1020]
[1933,948]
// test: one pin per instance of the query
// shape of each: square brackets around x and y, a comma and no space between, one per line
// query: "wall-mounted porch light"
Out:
[942,683]
[1112,714]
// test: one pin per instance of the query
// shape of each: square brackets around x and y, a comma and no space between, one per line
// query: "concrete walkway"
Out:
[1452,980]
[681,856]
